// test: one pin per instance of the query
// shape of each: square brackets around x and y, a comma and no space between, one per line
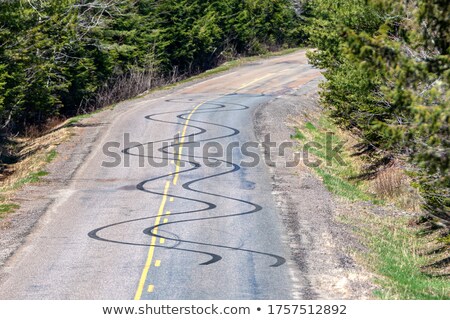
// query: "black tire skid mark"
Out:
[187,186]
[94,235]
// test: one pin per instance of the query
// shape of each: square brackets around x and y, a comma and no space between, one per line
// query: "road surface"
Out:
[201,225]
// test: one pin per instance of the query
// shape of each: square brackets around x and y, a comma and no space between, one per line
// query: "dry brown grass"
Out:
[132,85]
[389,182]
[393,184]
[36,131]
[34,154]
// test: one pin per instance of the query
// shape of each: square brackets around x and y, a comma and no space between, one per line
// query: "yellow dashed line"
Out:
[151,251]
[162,240]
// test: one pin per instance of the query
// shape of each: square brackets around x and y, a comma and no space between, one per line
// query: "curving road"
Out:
[158,212]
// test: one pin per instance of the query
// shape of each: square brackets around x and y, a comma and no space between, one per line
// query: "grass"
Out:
[76,119]
[29,170]
[33,177]
[51,156]
[6,208]
[341,187]
[309,126]
[336,176]
[396,253]
[298,135]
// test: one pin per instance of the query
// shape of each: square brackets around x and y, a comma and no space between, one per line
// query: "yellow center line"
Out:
[151,251]
[186,123]
[252,82]
[182,139]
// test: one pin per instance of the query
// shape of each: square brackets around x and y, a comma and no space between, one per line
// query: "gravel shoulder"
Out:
[319,244]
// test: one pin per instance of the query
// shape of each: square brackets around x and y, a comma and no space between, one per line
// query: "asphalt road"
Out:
[154,214]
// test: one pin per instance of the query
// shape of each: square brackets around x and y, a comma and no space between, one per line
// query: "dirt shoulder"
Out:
[319,244]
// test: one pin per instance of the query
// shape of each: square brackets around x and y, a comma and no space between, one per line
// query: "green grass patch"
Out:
[76,119]
[341,187]
[80,117]
[337,171]
[31,178]
[298,135]
[310,126]
[397,254]
[51,156]
[6,208]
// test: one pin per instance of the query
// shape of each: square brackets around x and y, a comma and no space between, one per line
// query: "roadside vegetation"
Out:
[388,81]
[383,211]
[32,157]
[335,176]
[387,66]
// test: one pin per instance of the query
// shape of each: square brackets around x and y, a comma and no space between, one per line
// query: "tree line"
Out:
[59,58]
[388,77]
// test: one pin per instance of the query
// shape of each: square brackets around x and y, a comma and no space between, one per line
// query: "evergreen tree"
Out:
[388,72]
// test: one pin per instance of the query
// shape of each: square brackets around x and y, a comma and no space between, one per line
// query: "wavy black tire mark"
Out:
[187,186]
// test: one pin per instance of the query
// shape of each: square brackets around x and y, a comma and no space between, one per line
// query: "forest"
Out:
[388,75]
